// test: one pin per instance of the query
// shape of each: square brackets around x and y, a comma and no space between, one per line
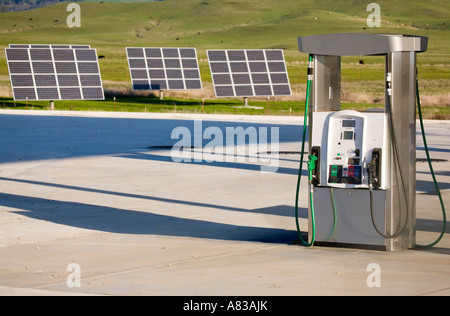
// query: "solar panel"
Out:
[249,73]
[48,46]
[54,72]
[159,68]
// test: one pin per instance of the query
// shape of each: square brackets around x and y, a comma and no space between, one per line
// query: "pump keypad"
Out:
[345,174]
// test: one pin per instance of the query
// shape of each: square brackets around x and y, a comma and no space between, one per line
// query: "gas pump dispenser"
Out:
[361,164]
[352,154]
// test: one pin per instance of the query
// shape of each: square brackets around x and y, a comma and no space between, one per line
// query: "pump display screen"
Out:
[348,135]
[348,123]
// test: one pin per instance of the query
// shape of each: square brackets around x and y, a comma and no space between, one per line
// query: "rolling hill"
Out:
[110,26]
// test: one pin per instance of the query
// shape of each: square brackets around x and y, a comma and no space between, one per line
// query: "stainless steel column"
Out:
[326,95]
[401,197]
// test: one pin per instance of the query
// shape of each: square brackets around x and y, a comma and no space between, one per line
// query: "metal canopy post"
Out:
[401,68]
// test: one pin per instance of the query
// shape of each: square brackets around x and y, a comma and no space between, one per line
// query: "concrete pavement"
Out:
[101,190]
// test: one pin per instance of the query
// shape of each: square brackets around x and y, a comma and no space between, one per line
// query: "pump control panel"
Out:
[344,149]
[346,140]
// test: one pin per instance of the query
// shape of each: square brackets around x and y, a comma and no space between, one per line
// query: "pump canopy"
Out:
[352,44]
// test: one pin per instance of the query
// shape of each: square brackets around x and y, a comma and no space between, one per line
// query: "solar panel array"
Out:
[54,72]
[164,68]
[249,73]
[71,72]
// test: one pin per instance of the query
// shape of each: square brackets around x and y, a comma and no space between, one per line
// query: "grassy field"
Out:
[210,24]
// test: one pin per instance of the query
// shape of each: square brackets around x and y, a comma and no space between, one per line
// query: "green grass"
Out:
[211,106]
[211,24]
[154,104]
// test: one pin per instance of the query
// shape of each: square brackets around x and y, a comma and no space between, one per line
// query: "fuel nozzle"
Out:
[373,169]
[312,166]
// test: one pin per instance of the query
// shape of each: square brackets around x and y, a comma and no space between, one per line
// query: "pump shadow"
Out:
[29,138]
[430,225]
[429,188]
[433,149]
[121,221]
[221,164]
[281,210]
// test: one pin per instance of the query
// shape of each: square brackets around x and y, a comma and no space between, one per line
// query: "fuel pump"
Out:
[361,179]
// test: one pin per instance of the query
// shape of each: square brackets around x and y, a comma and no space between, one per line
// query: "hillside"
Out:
[209,24]
[22,5]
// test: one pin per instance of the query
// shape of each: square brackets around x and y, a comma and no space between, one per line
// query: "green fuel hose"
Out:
[333,204]
[444,226]
[308,94]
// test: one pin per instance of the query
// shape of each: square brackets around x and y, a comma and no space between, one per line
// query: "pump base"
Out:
[349,245]
[343,217]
